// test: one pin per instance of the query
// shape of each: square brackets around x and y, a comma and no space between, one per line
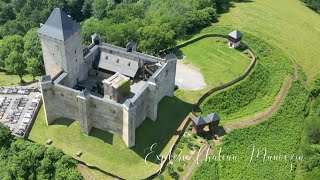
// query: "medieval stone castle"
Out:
[103,86]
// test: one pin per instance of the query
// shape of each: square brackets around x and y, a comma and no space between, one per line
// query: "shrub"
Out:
[180,169]
[194,135]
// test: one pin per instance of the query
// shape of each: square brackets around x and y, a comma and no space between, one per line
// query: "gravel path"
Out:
[188,77]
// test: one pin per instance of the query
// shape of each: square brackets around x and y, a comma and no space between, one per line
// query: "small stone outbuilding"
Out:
[211,120]
[234,39]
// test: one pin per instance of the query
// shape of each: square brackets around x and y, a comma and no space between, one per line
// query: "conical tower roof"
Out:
[235,34]
[59,25]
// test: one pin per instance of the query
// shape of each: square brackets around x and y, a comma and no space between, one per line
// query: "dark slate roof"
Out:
[114,63]
[45,79]
[212,117]
[170,57]
[235,34]
[199,121]
[59,25]
[131,44]
[95,36]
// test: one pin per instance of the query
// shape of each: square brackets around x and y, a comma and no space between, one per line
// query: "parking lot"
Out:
[17,108]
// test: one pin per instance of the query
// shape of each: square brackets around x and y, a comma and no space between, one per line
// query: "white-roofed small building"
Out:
[234,39]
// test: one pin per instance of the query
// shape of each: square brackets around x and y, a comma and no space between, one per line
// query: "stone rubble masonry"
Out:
[65,66]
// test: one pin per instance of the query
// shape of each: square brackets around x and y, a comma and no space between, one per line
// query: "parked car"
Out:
[23,127]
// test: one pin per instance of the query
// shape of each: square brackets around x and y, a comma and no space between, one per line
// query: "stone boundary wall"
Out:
[33,119]
[98,169]
[218,88]
[192,41]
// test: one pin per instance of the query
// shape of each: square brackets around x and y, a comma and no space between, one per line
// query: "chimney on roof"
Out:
[131,46]
[95,39]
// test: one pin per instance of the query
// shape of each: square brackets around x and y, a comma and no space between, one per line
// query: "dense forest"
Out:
[313,4]
[154,24]
[21,159]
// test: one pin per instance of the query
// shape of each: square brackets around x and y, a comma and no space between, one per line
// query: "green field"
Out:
[217,62]
[11,80]
[287,23]
[258,90]
[280,135]
[108,151]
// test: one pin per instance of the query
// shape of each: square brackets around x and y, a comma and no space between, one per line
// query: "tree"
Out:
[99,8]
[5,135]
[313,4]
[34,67]
[32,45]
[9,44]
[46,169]
[154,38]
[15,64]
[6,12]
[222,5]
[87,8]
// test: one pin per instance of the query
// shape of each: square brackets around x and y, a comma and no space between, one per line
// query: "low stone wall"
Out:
[33,119]
[192,41]
[218,88]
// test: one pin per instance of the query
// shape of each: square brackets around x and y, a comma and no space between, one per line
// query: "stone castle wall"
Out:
[106,115]
[61,101]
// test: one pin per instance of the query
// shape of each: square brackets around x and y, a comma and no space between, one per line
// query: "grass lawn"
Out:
[108,151]
[10,80]
[287,23]
[217,62]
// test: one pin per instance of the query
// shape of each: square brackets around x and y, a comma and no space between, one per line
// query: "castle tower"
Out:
[61,42]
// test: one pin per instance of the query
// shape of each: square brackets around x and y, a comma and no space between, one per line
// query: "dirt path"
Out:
[195,164]
[84,173]
[271,110]
[252,120]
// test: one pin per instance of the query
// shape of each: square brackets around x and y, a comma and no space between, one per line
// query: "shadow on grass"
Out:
[103,135]
[63,121]
[242,47]
[171,113]
[220,131]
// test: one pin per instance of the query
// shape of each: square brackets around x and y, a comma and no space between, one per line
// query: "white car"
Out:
[26,120]
[27,115]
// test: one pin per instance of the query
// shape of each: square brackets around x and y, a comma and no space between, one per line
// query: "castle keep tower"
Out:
[108,87]
[61,42]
